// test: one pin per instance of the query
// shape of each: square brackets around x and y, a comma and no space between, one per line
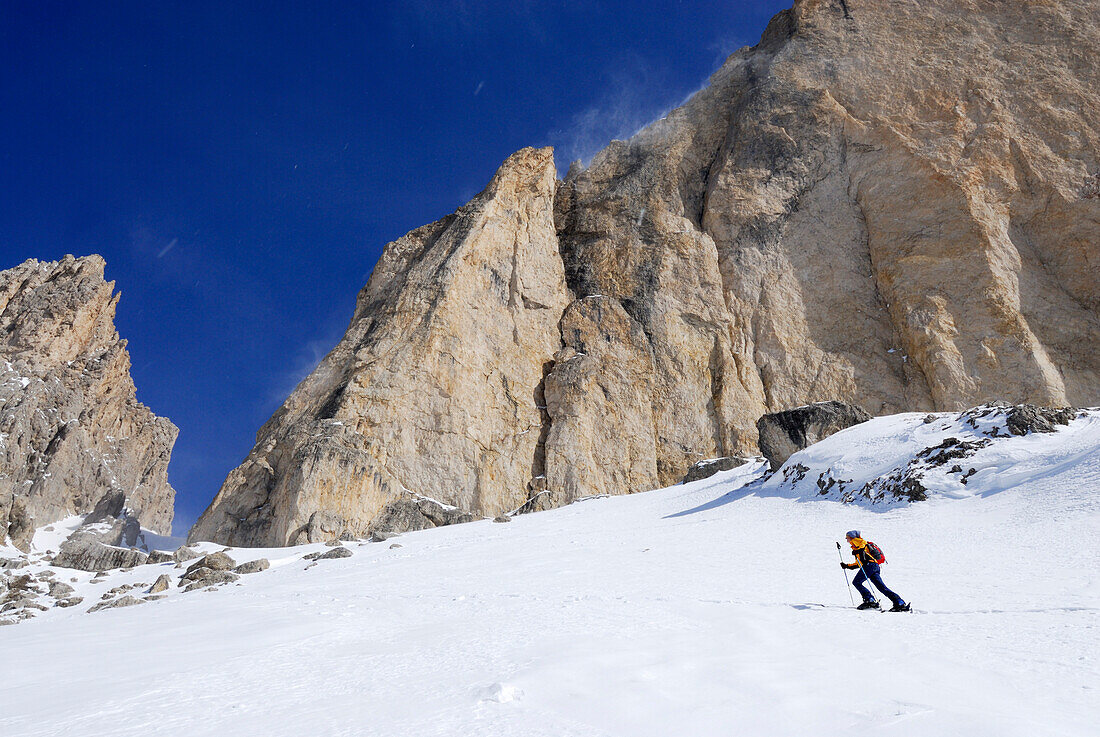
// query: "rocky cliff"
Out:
[72,435]
[891,204]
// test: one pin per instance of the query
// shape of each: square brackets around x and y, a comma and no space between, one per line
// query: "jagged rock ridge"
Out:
[887,204]
[73,437]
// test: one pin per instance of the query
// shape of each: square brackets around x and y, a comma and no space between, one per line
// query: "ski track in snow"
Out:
[690,611]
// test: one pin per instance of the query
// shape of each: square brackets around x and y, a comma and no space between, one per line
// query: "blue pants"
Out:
[871,571]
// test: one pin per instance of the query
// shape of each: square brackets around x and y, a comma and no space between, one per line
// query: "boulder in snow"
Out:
[783,434]
[253,566]
[215,562]
[116,603]
[156,557]
[184,554]
[161,584]
[410,513]
[205,577]
[84,553]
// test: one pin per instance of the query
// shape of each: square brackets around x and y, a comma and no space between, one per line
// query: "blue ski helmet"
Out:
[851,533]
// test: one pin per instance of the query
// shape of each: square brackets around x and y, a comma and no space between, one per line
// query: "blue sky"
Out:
[241,165]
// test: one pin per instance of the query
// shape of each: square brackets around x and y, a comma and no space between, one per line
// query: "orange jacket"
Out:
[861,553]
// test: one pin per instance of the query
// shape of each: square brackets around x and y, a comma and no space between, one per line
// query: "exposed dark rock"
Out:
[131,531]
[18,593]
[783,434]
[1027,418]
[108,508]
[1019,419]
[827,483]
[991,420]
[904,487]
[340,552]
[794,473]
[950,449]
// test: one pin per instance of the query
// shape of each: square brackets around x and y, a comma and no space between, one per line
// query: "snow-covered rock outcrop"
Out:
[914,456]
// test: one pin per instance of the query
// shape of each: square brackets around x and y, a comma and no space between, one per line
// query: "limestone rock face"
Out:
[881,203]
[72,434]
[599,398]
[892,205]
[435,390]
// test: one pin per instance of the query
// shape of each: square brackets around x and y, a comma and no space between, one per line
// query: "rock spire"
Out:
[73,437]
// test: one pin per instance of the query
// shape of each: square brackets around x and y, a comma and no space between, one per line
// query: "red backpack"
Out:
[876,553]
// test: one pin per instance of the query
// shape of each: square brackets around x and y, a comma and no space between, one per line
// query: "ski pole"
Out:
[846,584]
[869,581]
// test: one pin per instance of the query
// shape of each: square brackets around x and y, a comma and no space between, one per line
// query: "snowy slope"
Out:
[691,610]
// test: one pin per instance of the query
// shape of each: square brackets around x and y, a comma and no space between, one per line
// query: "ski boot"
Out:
[872,604]
[901,607]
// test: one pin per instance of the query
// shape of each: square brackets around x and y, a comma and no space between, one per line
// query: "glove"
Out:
[844,566]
